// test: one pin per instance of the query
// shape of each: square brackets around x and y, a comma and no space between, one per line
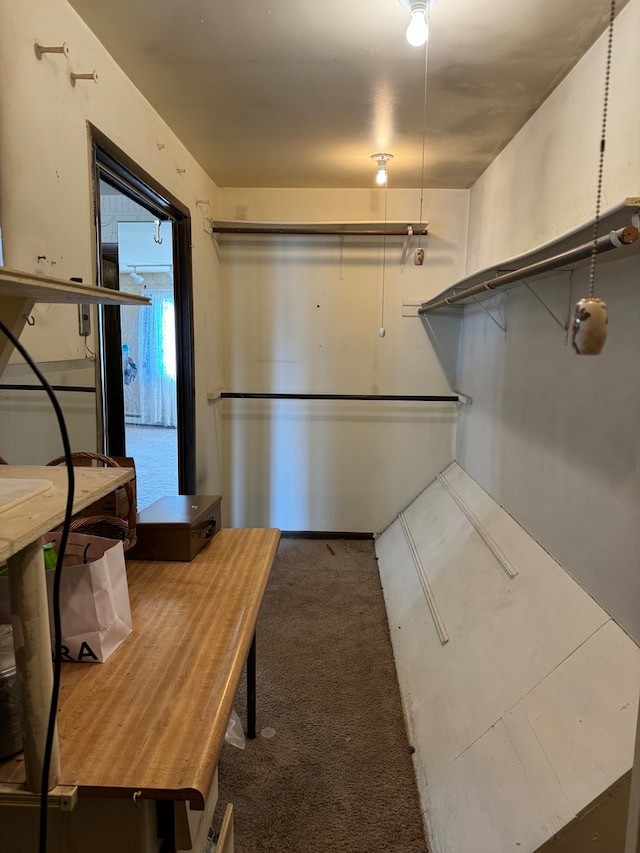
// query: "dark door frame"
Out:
[132,180]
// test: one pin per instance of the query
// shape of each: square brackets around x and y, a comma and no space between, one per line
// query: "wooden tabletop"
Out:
[153,716]
[25,522]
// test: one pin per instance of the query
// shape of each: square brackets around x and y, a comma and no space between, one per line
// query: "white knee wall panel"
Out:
[526,716]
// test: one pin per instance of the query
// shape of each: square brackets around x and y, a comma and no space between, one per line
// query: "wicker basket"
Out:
[109,526]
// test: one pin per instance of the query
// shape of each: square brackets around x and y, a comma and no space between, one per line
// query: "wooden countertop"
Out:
[153,716]
[24,523]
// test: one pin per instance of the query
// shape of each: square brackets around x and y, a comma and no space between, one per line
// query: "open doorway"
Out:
[145,354]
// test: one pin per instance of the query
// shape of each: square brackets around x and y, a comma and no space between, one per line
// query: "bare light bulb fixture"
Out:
[418,29]
[381,160]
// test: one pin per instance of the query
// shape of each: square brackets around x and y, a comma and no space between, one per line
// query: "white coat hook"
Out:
[91,75]
[156,237]
[41,48]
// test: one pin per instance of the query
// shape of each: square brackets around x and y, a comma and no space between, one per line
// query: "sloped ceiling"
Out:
[292,93]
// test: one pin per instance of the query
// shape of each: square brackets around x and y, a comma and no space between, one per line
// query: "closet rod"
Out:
[339,232]
[614,240]
[429,398]
[87,389]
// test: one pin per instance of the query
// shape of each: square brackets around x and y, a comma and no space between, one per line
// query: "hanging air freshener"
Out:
[591,318]
[590,323]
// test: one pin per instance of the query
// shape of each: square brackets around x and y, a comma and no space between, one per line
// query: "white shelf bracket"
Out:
[500,325]
[563,325]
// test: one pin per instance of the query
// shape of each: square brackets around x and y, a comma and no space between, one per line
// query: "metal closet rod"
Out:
[428,398]
[614,240]
[85,389]
[339,232]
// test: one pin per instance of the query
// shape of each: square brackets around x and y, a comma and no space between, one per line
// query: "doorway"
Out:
[145,354]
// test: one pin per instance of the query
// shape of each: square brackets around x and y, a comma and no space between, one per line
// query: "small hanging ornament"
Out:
[591,318]
[590,322]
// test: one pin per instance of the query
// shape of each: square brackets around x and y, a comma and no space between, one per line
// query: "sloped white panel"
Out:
[483,801]
[532,671]
[584,714]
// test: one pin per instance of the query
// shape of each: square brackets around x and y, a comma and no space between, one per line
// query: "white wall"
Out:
[552,436]
[354,466]
[302,315]
[544,183]
[46,188]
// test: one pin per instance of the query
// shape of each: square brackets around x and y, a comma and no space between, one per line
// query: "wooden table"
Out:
[147,725]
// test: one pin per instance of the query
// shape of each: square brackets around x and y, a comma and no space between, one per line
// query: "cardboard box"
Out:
[176,527]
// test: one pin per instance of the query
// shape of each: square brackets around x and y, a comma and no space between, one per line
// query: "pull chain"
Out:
[605,109]
[591,316]
[418,256]
[424,129]
[382,331]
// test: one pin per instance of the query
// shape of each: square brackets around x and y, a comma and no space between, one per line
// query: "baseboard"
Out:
[324,534]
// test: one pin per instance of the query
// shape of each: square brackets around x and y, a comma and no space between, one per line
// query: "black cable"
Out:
[57,658]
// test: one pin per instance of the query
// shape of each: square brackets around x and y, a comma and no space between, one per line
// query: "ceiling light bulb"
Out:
[381,160]
[418,29]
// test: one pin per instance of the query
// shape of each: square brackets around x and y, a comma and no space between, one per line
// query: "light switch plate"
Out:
[84,320]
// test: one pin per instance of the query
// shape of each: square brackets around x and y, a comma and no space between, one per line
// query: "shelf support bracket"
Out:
[564,326]
[13,313]
[500,325]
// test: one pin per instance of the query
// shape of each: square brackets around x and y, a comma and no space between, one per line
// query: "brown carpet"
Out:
[337,775]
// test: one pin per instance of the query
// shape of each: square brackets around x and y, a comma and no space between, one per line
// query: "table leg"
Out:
[251,689]
[30,618]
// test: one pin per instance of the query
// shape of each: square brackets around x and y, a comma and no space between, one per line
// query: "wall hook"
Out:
[91,75]
[31,320]
[41,48]
[181,171]
[202,201]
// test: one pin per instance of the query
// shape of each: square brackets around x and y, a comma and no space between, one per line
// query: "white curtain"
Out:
[150,399]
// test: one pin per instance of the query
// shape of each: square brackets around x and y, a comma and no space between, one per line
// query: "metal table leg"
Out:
[251,689]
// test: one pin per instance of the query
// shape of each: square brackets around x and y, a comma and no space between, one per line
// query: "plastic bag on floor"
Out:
[235,733]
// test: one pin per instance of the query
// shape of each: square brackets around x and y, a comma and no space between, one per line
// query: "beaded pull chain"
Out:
[605,109]
[591,316]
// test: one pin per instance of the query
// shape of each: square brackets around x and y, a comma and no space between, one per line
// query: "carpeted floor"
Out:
[337,774]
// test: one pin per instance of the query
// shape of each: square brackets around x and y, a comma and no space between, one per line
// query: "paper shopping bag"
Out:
[94,597]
